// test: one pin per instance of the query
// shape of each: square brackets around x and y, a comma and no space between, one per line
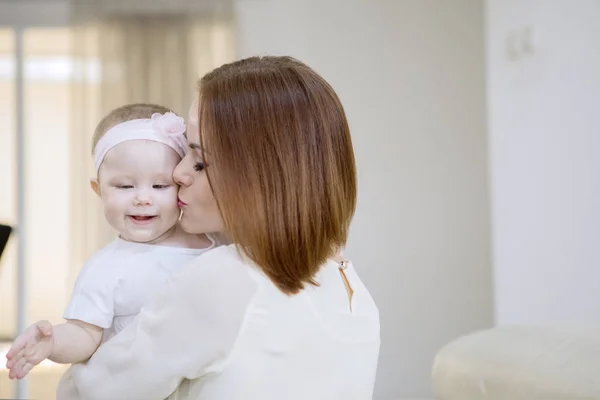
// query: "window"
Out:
[47,111]
[8,212]
[47,91]
[65,92]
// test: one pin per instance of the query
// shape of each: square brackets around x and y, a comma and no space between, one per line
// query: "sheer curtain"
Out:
[126,54]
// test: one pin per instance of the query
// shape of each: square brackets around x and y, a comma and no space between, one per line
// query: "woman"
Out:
[275,315]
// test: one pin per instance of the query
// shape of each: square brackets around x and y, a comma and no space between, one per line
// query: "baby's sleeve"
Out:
[92,300]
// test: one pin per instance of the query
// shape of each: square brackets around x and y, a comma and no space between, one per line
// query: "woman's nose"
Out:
[181,176]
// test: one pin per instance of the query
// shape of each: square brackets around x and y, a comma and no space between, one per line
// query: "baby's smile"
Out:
[142,219]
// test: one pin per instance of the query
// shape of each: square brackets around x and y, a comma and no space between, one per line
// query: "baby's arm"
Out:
[75,341]
[71,342]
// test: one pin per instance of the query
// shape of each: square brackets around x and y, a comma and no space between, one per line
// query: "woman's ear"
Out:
[95,186]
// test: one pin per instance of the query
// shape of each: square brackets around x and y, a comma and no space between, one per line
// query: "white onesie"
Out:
[119,279]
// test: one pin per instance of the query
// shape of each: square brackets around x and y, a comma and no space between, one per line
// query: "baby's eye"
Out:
[199,166]
[124,186]
[158,187]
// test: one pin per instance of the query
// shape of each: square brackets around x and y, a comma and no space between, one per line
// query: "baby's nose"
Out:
[142,199]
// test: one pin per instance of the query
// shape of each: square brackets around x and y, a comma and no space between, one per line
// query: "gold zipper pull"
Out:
[342,268]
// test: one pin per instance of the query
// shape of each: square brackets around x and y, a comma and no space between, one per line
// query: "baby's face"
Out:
[138,192]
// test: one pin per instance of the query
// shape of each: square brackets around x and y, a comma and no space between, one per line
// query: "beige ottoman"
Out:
[520,363]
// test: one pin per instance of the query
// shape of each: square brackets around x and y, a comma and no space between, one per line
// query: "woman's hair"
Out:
[125,113]
[279,157]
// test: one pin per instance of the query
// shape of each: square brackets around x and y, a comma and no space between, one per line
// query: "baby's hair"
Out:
[123,114]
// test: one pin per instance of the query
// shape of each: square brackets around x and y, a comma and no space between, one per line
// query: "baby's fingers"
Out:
[18,345]
[24,371]
[15,359]
[16,368]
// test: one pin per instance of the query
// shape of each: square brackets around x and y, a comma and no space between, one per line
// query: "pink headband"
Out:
[168,129]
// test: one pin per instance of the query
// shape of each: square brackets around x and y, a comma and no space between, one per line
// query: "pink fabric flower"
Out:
[172,127]
[169,124]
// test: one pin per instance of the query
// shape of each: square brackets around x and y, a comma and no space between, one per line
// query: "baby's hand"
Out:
[30,349]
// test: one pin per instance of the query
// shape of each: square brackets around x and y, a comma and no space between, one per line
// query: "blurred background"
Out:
[476,127]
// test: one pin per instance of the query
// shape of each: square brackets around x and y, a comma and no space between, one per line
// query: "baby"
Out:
[135,149]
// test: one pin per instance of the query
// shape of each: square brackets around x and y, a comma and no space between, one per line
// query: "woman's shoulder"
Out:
[217,272]
[225,256]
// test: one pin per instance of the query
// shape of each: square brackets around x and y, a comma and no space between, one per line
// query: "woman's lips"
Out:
[180,203]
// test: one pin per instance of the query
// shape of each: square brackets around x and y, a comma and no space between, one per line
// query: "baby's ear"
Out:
[95,186]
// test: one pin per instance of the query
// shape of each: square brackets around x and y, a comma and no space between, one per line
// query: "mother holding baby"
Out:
[278,314]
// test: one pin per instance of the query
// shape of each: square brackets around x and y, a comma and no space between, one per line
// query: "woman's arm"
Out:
[187,331]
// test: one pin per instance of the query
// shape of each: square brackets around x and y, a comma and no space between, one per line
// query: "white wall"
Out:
[411,76]
[544,126]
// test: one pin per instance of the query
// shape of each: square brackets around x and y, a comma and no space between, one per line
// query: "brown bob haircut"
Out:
[280,162]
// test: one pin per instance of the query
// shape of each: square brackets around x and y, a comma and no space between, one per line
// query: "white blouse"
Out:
[221,330]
